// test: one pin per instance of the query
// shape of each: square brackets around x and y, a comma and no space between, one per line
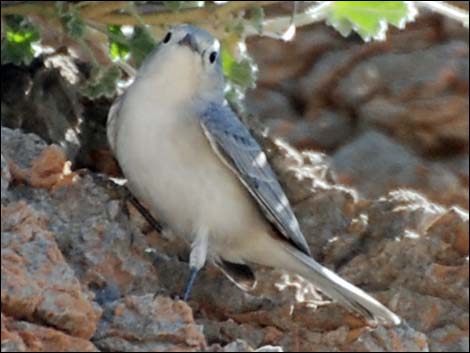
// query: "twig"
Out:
[133,11]
[104,12]
[46,8]
[446,9]
[97,9]
[126,67]
[193,15]
[272,27]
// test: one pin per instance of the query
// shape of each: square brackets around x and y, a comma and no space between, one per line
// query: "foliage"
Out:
[102,82]
[70,18]
[129,30]
[370,19]
[17,43]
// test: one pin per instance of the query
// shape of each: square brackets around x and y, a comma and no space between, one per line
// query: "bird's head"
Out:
[187,62]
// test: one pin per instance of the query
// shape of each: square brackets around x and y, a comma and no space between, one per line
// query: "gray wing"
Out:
[111,125]
[234,144]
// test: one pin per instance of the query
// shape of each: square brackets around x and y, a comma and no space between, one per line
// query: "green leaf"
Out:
[242,73]
[74,25]
[235,95]
[141,44]
[178,5]
[173,5]
[118,43]
[17,43]
[102,83]
[256,18]
[370,18]
[70,18]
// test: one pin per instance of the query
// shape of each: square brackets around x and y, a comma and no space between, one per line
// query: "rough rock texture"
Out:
[6,177]
[146,324]
[83,221]
[37,283]
[390,166]
[22,336]
[401,104]
[385,205]
[50,105]
[79,262]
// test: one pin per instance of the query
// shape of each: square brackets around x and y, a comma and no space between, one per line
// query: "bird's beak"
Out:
[189,41]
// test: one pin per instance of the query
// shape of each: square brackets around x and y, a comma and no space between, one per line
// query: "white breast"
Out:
[170,165]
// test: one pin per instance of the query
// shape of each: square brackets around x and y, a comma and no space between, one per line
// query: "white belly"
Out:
[170,165]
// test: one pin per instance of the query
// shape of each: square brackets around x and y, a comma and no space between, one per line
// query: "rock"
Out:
[420,123]
[22,336]
[270,105]
[225,332]
[321,130]
[401,213]
[49,170]
[145,324]
[83,238]
[453,228]
[396,340]
[46,99]
[23,147]
[11,341]
[311,85]
[37,283]
[460,166]
[279,67]
[329,128]
[449,338]
[49,106]
[387,209]
[399,240]
[429,275]
[242,346]
[363,88]
[375,164]
[237,346]
[442,64]
[6,178]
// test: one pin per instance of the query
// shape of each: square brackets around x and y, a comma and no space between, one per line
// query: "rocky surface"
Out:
[392,114]
[380,191]
[81,269]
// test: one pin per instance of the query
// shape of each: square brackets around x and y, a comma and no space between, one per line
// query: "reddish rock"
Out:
[387,126]
[453,228]
[11,341]
[36,281]
[22,336]
[51,169]
[142,323]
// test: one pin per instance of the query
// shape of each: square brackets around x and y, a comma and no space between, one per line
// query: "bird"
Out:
[190,159]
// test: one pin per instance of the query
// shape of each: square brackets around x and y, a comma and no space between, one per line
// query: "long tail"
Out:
[340,290]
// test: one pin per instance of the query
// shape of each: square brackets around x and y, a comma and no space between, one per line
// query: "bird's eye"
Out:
[212,57]
[167,37]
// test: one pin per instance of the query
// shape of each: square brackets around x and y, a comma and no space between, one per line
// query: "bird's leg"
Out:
[197,259]
[145,213]
[189,284]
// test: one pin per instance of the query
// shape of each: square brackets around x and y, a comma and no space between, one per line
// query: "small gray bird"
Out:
[188,157]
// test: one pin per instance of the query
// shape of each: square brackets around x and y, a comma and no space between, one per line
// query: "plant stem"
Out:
[446,9]
[274,27]
[193,15]
[46,8]
[97,9]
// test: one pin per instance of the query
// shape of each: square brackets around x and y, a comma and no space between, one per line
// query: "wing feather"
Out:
[234,145]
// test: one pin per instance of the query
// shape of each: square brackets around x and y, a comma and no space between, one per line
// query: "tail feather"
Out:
[343,292]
